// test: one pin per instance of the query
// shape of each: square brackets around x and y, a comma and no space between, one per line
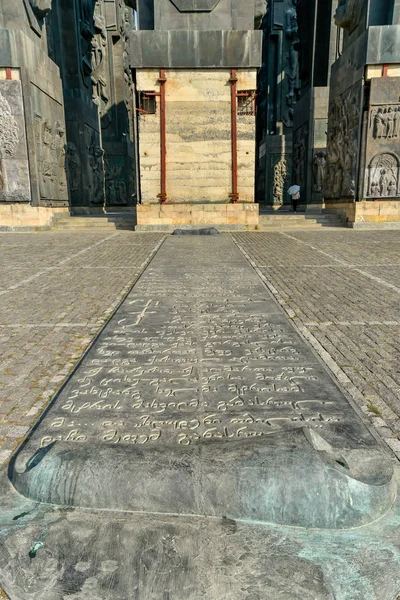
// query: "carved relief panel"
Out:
[383,176]
[343,144]
[291,63]
[319,170]
[300,145]
[382,135]
[280,178]
[14,169]
[50,149]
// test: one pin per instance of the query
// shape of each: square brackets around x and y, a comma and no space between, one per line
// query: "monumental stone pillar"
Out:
[196,71]
[90,40]
[299,47]
[33,185]
[364,116]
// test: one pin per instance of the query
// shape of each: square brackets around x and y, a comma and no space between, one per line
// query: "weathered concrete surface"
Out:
[198,137]
[341,288]
[57,289]
[200,399]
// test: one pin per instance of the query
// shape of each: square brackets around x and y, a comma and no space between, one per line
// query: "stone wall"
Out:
[198,129]
[68,91]
[299,47]
[90,44]
[34,170]
[363,159]
[14,165]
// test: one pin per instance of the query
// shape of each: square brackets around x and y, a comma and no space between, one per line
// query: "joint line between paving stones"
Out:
[356,399]
[345,264]
[102,325]
[62,262]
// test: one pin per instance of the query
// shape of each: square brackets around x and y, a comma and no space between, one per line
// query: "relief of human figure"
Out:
[396,122]
[292,54]
[383,183]
[73,167]
[374,190]
[380,124]
[348,13]
[41,7]
[392,188]
[319,170]
[390,123]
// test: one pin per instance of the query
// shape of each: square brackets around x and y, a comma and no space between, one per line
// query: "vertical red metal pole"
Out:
[8,73]
[385,70]
[234,195]
[163,138]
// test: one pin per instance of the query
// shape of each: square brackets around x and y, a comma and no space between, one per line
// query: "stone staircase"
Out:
[270,221]
[100,222]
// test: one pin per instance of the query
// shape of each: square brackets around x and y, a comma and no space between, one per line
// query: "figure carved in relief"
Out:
[59,146]
[384,176]
[385,122]
[9,136]
[383,183]
[98,52]
[299,157]
[319,168]
[342,148]
[292,54]
[348,14]
[73,167]
[280,176]
[98,175]
[260,12]
[47,163]
[41,7]
[379,123]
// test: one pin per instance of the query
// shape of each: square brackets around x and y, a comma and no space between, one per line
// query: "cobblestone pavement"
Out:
[341,287]
[56,291]
[342,290]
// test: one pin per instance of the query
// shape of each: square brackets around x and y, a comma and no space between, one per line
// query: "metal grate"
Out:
[148,103]
[247,102]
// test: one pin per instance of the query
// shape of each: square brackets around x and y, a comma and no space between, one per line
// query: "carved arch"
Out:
[384,176]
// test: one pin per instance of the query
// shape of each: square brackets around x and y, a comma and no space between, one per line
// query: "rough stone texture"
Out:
[198,129]
[379,213]
[172,382]
[48,316]
[71,62]
[299,47]
[369,166]
[164,217]
[346,300]
[14,167]
[203,49]
[90,43]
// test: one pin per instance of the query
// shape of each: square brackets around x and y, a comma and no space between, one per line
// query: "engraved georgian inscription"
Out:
[198,352]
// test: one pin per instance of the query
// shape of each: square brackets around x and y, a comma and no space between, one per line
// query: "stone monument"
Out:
[196,68]
[67,108]
[200,450]
[299,47]
[362,180]
[33,184]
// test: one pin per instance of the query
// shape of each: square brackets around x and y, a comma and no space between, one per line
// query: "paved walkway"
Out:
[200,451]
[342,290]
[340,287]
[56,291]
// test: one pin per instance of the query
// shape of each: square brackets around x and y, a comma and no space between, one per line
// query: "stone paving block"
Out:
[343,287]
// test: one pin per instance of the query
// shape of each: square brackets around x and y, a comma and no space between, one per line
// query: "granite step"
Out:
[299,221]
[98,222]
